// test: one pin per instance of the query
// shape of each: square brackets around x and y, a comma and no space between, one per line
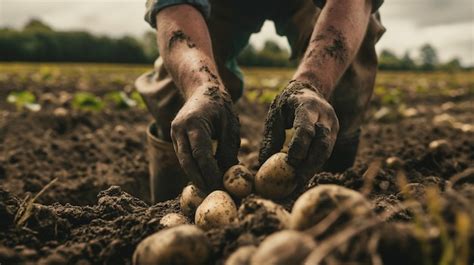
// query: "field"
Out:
[75,135]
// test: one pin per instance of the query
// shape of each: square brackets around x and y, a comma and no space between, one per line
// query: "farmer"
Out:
[196,80]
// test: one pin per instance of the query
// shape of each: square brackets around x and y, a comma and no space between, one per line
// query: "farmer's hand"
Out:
[302,107]
[207,114]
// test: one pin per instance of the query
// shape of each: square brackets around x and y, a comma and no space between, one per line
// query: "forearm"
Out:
[334,43]
[185,47]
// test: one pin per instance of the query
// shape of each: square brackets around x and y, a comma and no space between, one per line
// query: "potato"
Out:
[245,145]
[276,179]
[216,210]
[238,181]
[315,204]
[60,112]
[184,244]
[191,198]
[394,162]
[284,247]
[173,219]
[254,209]
[440,146]
[241,256]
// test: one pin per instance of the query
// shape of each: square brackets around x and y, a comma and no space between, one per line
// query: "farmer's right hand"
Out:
[207,114]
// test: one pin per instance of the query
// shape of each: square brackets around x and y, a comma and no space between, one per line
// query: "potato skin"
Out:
[184,244]
[252,209]
[241,256]
[315,204]
[275,179]
[284,247]
[190,199]
[216,210]
[173,219]
[238,181]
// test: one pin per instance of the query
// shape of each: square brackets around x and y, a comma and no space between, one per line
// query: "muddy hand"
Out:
[301,107]
[208,114]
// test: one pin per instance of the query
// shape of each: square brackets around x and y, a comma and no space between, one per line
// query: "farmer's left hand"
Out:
[302,107]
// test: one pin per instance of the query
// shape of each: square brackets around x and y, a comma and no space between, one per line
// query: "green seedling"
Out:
[23,99]
[138,99]
[120,99]
[87,101]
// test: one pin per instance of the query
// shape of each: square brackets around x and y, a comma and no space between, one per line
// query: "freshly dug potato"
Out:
[317,203]
[216,210]
[173,219]
[394,162]
[241,256]
[191,198]
[284,247]
[184,244]
[245,145]
[440,146]
[276,179]
[238,181]
[254,209]
[60,112]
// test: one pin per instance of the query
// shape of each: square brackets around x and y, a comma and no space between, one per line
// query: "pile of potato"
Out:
[183,243]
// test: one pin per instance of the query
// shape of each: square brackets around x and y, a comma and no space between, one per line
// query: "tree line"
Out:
[427,60]
[39,42]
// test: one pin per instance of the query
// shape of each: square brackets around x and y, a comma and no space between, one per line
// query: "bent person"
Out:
[196,80]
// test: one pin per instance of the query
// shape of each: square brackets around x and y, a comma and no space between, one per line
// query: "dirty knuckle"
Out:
[177,125]
[199,153]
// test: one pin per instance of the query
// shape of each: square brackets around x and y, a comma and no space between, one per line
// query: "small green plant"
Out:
[120,99]
[87,101]
[138,99]
[23,99]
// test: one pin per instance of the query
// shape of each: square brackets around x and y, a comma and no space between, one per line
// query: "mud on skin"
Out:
[180,36]
[211,76]
[278,105]
[337,49]
[231,126]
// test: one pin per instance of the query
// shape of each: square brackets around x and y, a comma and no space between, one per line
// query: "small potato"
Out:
[284,247]
[184,244]
[191,198]
[276,179]
[245,145]
[253,209]
[394,162]
[216,210]
[317,203]
[60,112]
[173,219]
[238,181]
[241,256]
[440,146]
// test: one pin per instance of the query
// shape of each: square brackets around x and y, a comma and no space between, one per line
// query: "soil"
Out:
[94,213]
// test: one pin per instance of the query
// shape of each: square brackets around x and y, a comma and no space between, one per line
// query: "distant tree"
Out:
[271,55]
[428,57]
[37,25]
[150,46]
[248,56]
[39,42]
[388,60]
[407,63]
[452,65]
[271,46]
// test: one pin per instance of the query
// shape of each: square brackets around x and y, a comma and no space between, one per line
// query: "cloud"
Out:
[114,18]
[429,13]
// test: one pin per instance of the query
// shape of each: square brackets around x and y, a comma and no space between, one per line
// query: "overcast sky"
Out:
[446,24]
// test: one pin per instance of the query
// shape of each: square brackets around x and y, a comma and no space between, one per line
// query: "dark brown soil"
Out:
[94,212]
